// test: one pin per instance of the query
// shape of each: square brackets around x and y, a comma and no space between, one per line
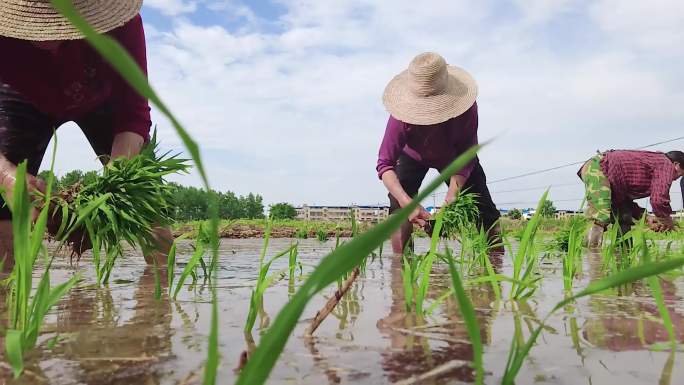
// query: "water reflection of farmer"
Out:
[627,323]
[410,355]
[134,349]
[614,179]
[433,121]
[49,75]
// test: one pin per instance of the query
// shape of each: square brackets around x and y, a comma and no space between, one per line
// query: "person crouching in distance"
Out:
[614,179]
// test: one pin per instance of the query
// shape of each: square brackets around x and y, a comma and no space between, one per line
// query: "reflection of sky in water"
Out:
[121,335]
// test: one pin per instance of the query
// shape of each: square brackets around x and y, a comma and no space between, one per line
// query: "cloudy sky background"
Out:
[284,96]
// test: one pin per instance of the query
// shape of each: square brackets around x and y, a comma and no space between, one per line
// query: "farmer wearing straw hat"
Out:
[615,178]
[433,120]
[49,75]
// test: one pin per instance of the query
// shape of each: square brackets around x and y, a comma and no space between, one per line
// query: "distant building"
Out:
[528,213]
[563,214]
[370,214]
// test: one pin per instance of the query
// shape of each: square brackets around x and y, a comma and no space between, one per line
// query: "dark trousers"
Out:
[411,174]
[25,133]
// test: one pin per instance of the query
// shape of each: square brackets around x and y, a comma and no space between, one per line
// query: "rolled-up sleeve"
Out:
[130,110]
[392,145]
[660,189]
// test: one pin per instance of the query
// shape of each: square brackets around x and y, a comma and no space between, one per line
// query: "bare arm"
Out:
[391,182]
[419,216]
[456,183]
[126,144]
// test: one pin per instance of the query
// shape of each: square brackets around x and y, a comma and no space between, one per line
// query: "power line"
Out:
[574,163]
[564,166]
[535,188]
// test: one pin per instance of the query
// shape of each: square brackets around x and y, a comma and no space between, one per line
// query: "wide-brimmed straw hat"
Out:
[430,91]
[38,20]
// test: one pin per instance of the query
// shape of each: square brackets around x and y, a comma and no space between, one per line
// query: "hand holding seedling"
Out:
[420,216]
[662,224]
[8,177]
[456,182]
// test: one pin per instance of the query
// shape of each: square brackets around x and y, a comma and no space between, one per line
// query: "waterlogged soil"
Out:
[120,335]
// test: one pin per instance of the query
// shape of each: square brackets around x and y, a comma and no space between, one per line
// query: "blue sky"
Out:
[285,96]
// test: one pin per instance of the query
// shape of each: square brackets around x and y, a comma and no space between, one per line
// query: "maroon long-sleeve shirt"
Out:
[75,79]
[639,174]
[434,146]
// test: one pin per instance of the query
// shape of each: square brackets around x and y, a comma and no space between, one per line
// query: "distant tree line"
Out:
[191,202]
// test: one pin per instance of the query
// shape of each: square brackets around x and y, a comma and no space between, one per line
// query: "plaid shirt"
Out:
[639,174]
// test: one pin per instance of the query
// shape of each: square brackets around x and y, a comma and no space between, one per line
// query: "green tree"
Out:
[515,214]
[71,178]
[254,206]
[282,211]
[548,209]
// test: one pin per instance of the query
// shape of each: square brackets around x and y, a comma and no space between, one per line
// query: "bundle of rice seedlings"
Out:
[460,214]
[123,203]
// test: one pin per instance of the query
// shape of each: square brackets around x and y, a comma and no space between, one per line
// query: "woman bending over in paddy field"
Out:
[433,120]
[49,75]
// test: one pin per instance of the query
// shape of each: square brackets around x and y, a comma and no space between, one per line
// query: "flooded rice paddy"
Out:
[121,335]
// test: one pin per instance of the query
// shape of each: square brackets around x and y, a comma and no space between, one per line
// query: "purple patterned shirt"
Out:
[639,174]
[434,146]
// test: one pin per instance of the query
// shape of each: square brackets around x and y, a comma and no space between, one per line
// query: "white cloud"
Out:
[536,11]
[651,25]
[296,114]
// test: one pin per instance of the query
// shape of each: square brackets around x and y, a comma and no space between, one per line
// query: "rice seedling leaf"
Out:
[14,350]
[472,327]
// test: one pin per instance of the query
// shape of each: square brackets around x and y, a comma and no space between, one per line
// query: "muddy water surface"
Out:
[121,335]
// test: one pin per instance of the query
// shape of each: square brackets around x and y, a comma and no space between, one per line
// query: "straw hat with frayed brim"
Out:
[430,91]
[38,20]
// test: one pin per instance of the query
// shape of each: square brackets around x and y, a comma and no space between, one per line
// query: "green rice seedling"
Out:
[460,214]
[301,233]
[27,312]
[134,198]
[189,268]
[470,319]
[610,246]
[337,263]
[263,279]
[526,259]
[292,262]
[171,263]
[322,235]
[425,265]
[573,257]
[354,225]
[126,66]
[211,366]
[561,240]
[518,351]
[157,283]
[409,274]
[654,285]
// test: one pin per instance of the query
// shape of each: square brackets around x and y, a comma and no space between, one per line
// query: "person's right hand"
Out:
[419,216]
[8,177]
